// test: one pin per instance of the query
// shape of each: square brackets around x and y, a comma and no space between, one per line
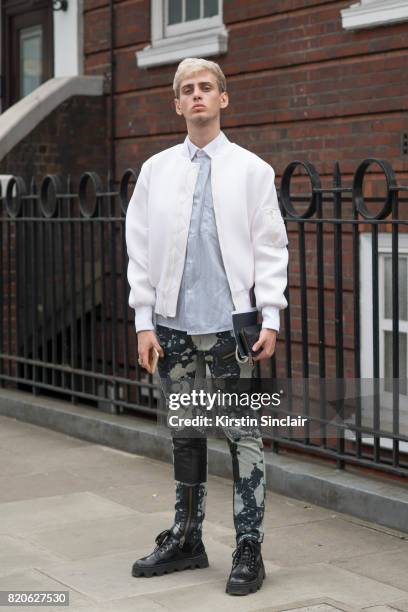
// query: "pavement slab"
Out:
[118,473]
[93,537]
[109,577]
[22,518]
[325,540]
[282,587]
[34,440]
[390,567]
[402,606]
[316,605]
[75,516]
[41,484]
[380,608]
[18,554]
[12,427]
[35,580]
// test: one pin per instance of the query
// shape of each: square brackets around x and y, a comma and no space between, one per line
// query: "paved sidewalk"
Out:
[75,515]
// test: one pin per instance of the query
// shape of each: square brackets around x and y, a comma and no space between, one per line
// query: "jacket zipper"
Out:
[183,537]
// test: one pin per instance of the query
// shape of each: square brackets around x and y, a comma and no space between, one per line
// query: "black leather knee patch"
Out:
[190,460]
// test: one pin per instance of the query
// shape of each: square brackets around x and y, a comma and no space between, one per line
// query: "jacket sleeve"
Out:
[269,242]
[142,295]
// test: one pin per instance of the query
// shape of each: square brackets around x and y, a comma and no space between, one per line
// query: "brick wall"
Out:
[299,84]
[71,139]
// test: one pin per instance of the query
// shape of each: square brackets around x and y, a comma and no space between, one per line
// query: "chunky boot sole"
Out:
[198,562]
[248,587]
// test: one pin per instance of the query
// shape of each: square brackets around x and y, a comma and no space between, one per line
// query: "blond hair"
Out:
[192,65]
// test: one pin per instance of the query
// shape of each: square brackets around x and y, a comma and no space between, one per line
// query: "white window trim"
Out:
[366,336]
[366,328]
[69,40]
[186,27]
[371,13]
[198,38]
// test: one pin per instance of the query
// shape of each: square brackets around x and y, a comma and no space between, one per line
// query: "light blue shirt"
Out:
[204,303]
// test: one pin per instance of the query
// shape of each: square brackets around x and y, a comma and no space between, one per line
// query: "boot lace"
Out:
[246,553]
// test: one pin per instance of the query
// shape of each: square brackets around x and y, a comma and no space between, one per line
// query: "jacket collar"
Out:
[213,148]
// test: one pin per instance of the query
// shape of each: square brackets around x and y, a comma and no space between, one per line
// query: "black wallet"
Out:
[250,335]
[246,332]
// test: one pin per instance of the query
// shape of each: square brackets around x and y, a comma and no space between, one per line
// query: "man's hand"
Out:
[146,340]
[266,341]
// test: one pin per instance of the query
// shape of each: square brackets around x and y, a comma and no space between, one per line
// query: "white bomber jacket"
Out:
[250,227]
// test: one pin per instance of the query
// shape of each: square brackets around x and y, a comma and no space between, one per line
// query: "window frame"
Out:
[373,13]
[366,327]
[366,323]
[186,27]
[385,323]
[14,18]
[197,38]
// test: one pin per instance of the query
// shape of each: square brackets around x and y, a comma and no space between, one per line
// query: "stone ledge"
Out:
[21,118]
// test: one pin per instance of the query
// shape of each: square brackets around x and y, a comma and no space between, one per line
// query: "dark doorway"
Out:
[27,47]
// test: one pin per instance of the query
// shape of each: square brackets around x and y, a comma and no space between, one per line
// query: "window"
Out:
[370,13]
[385,306]
[184,15]
[386,320]
[385,331]
[27,42]
[30,59]
[183,28]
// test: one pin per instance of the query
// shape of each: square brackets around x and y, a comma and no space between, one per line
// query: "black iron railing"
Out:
[341,325]
[67,330]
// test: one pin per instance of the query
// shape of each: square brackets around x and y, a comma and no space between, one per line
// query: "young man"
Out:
[203,227]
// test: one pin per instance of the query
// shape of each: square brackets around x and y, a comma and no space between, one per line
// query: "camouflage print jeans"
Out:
[183,352]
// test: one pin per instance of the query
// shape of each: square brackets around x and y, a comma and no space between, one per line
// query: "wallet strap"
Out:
[246,359]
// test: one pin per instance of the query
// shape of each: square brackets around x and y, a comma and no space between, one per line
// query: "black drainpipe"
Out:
[112,160]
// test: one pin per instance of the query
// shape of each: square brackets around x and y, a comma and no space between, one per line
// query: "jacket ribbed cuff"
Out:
[270,317]
[144,318]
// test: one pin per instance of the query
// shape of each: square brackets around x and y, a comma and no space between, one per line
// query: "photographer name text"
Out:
[226,421]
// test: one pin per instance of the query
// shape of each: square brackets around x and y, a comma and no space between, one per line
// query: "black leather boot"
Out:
[170,555]
[181,546]
[248,572]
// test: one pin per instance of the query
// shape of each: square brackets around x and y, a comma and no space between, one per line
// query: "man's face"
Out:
[200,101]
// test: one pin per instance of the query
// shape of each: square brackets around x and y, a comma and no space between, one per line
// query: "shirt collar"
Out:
[191,149]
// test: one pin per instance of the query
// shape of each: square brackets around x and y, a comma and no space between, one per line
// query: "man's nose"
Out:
[197,93]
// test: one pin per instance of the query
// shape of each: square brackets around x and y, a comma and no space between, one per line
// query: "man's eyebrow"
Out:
[200,83]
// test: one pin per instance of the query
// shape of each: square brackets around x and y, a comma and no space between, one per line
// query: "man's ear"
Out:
[224,100]
[177,106]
